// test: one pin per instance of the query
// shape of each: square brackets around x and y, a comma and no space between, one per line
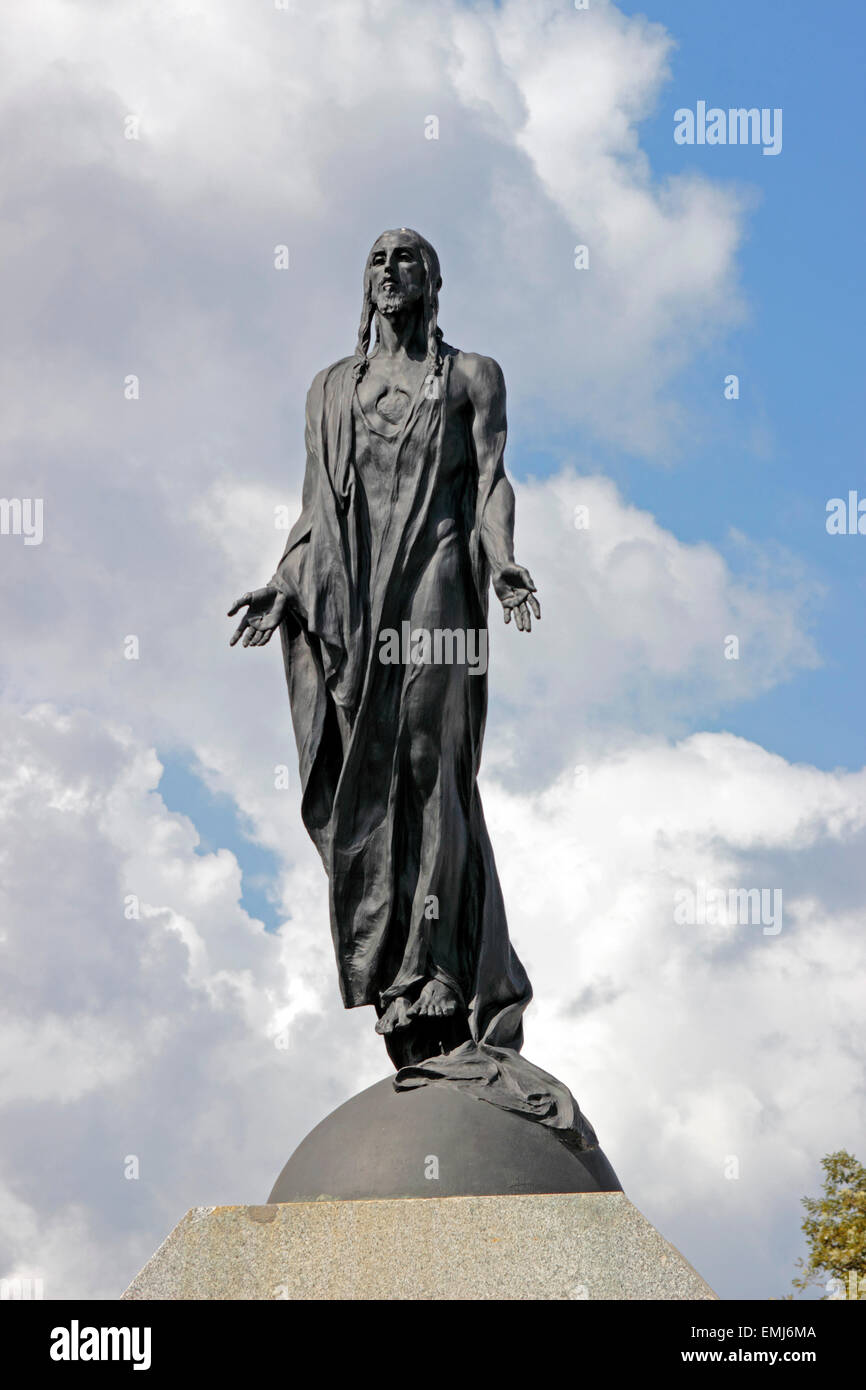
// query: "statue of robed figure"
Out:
[381,601]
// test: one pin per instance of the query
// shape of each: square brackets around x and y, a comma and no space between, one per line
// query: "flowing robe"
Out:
[414,893]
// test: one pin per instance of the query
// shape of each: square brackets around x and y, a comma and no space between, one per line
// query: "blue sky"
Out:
[800,356]
[220,825]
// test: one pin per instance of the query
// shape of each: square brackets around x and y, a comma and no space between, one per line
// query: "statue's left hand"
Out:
[516,592]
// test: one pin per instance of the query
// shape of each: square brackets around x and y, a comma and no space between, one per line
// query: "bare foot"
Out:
[395,1016]
[435,1001]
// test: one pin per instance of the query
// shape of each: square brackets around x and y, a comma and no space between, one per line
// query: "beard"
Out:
[391,301]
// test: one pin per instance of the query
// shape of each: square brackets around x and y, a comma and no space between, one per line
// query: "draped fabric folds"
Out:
[414,892]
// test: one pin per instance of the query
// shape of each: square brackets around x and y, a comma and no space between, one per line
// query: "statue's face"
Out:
[396,272]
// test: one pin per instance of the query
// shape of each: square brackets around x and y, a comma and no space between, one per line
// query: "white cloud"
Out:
[688,1045]
[187,1036]
[634,627]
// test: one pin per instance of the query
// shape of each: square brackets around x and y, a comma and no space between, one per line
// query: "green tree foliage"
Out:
[835,1227]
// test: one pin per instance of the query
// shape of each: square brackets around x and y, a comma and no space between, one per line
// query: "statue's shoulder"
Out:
[478,375]
[329,376]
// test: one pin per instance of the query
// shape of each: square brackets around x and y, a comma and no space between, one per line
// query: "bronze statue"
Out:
[381,601]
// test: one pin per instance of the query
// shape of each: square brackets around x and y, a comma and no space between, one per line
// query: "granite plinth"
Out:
[580,1246]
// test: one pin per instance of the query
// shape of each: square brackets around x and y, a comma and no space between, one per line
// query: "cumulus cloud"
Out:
[694,1045]
[145,1014]
[636,627]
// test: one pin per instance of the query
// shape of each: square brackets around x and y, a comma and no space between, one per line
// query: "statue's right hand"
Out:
[266,609]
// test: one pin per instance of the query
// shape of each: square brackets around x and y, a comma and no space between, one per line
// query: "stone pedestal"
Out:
[588,1245]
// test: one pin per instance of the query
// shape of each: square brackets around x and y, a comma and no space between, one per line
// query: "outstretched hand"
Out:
[516,592]
[265,611]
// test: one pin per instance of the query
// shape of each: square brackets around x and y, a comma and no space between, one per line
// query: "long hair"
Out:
[430,307]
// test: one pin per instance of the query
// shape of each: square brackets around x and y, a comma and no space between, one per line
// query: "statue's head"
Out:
[402,270]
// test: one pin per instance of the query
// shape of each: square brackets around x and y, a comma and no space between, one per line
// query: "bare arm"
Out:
[512,583]
[486,390]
